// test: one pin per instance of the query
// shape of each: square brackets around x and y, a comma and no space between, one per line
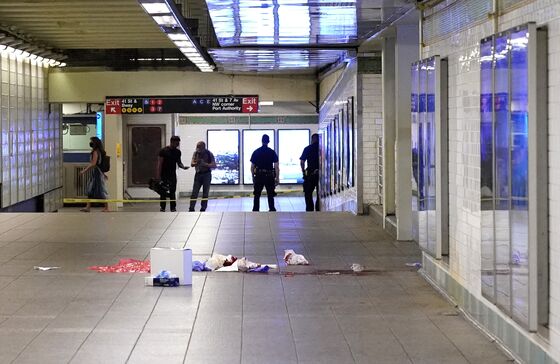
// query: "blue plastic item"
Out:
[199,266]
[261,269]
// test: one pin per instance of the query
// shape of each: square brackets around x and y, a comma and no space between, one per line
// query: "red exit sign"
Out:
[250,104]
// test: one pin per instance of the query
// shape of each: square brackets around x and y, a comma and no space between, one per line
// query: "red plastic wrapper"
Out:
[124,266]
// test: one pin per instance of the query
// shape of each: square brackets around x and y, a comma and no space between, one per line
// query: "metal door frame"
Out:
[128,173]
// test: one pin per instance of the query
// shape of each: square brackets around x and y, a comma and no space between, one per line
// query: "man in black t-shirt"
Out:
[169,159]
[203,161]
[311,173]
[266,173]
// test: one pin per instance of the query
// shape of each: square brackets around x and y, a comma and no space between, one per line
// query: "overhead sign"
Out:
[182,104]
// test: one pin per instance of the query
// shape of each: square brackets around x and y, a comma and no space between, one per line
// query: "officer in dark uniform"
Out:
[311,173]
[169,159]
[266,173]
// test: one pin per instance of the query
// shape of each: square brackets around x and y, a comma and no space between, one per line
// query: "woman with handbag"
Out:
[96,186]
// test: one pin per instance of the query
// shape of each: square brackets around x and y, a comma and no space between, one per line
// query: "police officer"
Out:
[311,173]
[266,173]
[169,159]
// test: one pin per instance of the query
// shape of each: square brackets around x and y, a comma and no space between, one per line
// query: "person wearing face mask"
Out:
[203,161]
[169,159]
[96,186]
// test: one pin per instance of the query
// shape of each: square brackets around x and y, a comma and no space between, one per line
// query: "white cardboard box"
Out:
[177,261]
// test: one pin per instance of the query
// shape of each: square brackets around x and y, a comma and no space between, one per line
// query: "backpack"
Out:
[105,164]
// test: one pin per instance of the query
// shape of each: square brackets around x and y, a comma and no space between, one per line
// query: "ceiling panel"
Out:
[79,24]
[275,60]
[268,22]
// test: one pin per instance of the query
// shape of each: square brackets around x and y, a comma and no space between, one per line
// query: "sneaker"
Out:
[161,210]
[202,210]
[272,210]
[191,210]
[173,210]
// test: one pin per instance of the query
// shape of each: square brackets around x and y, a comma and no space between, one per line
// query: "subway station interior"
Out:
[434,238]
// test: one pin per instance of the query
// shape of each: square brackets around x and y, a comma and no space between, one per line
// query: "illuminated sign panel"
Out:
[224,144]
[229,104]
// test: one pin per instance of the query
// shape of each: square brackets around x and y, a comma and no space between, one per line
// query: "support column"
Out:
[114,148]
[389,127]
[406,52]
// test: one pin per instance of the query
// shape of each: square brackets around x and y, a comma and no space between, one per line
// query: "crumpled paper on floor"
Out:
[45,268]
[291,258]
[357,267]
[124,266]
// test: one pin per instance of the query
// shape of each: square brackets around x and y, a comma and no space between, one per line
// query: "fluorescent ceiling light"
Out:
[156,8]
[18,52]
[39,59]
[63,64]
[166,15]
[178,36]
[165,20]
[25,54]
[33,56]
[184,44]
[266,103]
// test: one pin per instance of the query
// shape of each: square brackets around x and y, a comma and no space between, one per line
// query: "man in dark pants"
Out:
[203,161]
[266,173]
[168,160]
[311,173]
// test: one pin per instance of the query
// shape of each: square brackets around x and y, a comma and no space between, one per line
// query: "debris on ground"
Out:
[162,279]
[124,266]
[45,268]
[292,258]
[357,268]
[230,263]
[199,266]
[416,265]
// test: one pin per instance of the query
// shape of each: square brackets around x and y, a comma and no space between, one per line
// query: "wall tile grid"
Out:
[372,121]
[31,148]
[462,49]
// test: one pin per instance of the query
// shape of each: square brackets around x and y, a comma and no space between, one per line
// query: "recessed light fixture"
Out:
[266,103]
[166,14]
[155,8]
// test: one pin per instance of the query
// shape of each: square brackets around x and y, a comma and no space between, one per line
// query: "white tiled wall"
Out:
[462,51]
[372,122]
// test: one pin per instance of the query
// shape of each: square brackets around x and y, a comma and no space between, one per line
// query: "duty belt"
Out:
[265,172]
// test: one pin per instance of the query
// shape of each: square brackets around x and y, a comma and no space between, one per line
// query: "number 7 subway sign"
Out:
[250,105]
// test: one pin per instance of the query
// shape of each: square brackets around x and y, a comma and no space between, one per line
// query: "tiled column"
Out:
[114,148]
[389,126]
[406,52]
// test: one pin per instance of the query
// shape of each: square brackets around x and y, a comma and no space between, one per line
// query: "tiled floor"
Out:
[388,314]
[282,203]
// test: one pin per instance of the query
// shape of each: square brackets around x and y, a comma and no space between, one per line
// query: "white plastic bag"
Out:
[216,261]
[291,258]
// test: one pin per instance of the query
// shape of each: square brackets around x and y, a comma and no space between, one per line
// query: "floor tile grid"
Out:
[68,303]
[62,309]
[191,329]
[76,356]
